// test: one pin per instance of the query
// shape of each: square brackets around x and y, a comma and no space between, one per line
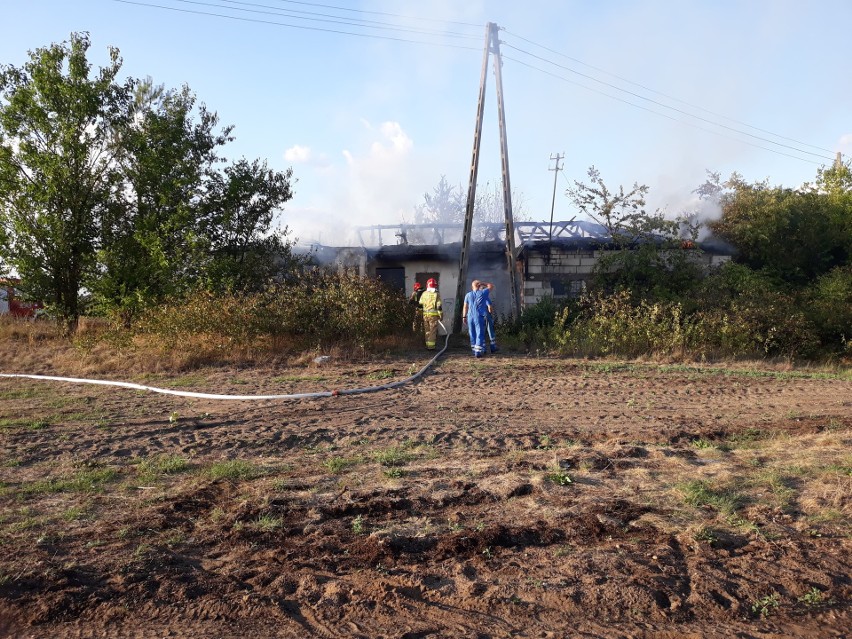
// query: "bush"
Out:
[318,308]
[829,304]
[613,324]
[534,327]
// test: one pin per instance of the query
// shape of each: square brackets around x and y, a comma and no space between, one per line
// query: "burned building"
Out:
[558,260]
[555,260]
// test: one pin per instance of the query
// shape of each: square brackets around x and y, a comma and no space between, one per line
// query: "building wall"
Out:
[448,282]
[565,272]
[448,276]
[448,273]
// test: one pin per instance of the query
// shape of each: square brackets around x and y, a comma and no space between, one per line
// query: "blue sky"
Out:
[369,125]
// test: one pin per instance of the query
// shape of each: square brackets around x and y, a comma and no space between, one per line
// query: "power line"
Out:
[456,46]
[663,115]
[297,26]
[381,13]
[332,19]
[642,86]
[665,106]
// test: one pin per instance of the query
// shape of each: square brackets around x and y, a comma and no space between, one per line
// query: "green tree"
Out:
[153,243]
[794,234]
[245,252]
[57,119]
[651,258]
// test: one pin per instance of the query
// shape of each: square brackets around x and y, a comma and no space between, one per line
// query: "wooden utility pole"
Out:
[461,287]
[492,44]
[507,187]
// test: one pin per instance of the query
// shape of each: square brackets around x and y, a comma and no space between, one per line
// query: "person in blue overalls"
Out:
[477,304]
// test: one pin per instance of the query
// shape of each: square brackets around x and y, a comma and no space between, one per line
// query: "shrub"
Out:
[534,327]
[829,304]
[612,324]
[318,308]
[763,324]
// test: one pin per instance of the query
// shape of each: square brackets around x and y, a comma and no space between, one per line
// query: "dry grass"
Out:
[96,349]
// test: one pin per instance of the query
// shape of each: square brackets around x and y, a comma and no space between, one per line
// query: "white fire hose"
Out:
[168,391]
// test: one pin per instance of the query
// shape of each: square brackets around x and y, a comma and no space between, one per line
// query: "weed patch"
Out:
[559,477]
[700,493]
[84,480]
[395,456]
[236,470]
[766,605]
[155,467]
[339,464]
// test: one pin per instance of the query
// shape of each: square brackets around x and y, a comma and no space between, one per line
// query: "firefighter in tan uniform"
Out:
[430,302]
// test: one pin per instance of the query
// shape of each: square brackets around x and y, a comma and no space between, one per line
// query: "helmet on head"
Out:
[431,283]
[417,286]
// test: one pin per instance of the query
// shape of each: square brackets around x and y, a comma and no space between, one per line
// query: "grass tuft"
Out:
[235,470]
[699,493]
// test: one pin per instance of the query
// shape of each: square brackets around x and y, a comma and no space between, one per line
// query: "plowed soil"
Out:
[514,496]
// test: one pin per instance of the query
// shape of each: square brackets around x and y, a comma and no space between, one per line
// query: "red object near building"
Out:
[11,303]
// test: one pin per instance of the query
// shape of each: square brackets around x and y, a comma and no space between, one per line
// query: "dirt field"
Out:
[514,496]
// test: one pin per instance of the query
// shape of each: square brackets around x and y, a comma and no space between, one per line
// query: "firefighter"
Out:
[476,305]
[430,302]
[414,300]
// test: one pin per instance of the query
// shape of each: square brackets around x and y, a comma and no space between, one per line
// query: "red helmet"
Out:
[431,283]
[417,286]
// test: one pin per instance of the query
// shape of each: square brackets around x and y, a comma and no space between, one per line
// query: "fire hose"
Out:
[168,391]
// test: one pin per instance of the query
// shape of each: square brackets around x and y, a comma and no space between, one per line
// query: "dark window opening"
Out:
[393,277]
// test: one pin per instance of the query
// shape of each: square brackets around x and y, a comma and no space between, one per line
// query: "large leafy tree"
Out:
[153,243]
[244,251]
[184,222]
[57,119]
[118,189]
[795,235]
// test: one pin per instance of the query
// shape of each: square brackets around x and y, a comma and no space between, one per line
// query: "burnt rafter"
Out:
[572,229]
[438,233]
[447,233]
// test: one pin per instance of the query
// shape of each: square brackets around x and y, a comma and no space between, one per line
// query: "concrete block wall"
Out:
[569,268]
[573,269]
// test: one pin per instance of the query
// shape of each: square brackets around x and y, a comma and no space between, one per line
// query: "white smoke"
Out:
[369,184]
